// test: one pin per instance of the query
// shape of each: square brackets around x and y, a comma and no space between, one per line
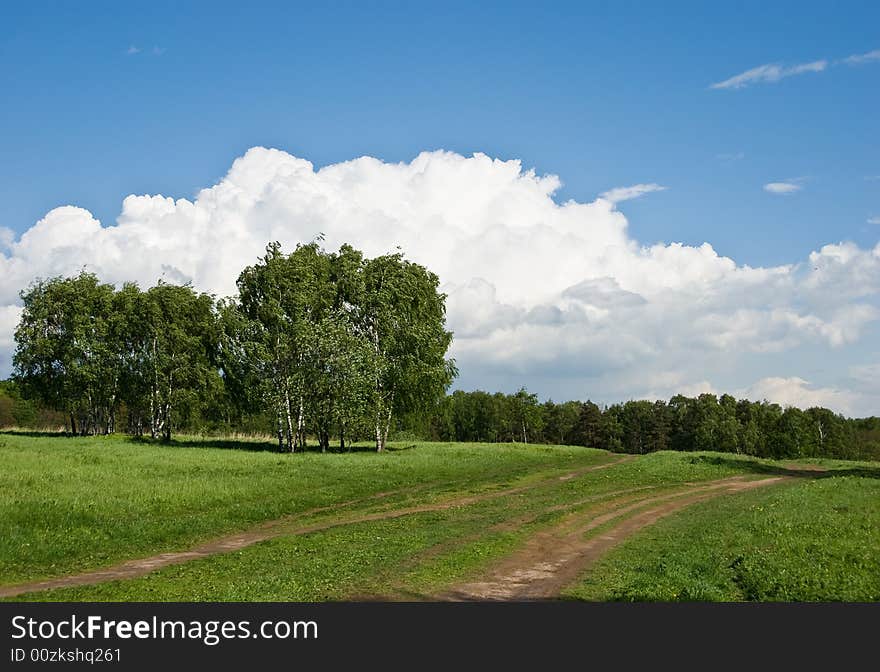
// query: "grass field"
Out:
[817,540]
[412,522]
[75,503]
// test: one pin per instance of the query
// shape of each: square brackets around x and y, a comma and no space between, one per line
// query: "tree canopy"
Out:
[87,349]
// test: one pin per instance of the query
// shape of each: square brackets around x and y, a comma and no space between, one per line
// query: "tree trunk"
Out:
[387,428]
[153,417]
[300,426]
[382,432]
[280,433]
[289,420]
[92,416]
[380,446]
[72,424]
[111,414]
[168,408]
[167,423]
[154,395]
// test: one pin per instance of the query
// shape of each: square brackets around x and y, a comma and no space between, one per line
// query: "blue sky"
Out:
[103,100]
[600,94]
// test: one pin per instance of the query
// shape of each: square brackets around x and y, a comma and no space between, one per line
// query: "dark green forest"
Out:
[706,422]
[330,348]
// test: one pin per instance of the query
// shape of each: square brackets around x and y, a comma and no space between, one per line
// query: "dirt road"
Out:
[553,559]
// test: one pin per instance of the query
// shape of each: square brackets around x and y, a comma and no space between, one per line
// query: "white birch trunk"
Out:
[289,419]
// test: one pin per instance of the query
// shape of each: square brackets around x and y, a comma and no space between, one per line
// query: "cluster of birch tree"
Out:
[326,344]
[335,344]
[88,349]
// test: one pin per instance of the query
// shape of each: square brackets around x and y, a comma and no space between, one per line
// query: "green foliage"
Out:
[560,424]
[179,357]
[64,356]
[588,430]
[867,432]
[402,315]
[16,411]
[7,405]
[84,348]
[335,343]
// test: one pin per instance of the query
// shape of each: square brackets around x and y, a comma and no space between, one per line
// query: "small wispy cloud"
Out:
[859,59]
[620,194]
[769,73]
[784,188]
[734,156]
[155,51]
[873,220]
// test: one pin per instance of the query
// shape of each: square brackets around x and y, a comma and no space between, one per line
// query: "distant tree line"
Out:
[706,422]
[316,343]
[16,411]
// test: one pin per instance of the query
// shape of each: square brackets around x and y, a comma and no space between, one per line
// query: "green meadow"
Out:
[411,522]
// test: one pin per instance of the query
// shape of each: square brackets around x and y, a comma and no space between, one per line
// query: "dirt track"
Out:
[289,525]
[553,559]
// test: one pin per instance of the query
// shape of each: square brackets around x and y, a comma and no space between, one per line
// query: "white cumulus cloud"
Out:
[798,392]
[557,296]
[9,316]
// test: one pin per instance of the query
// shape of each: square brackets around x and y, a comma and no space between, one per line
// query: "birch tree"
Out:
[180,343]
[402,315]
[281,299]
[64,355]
